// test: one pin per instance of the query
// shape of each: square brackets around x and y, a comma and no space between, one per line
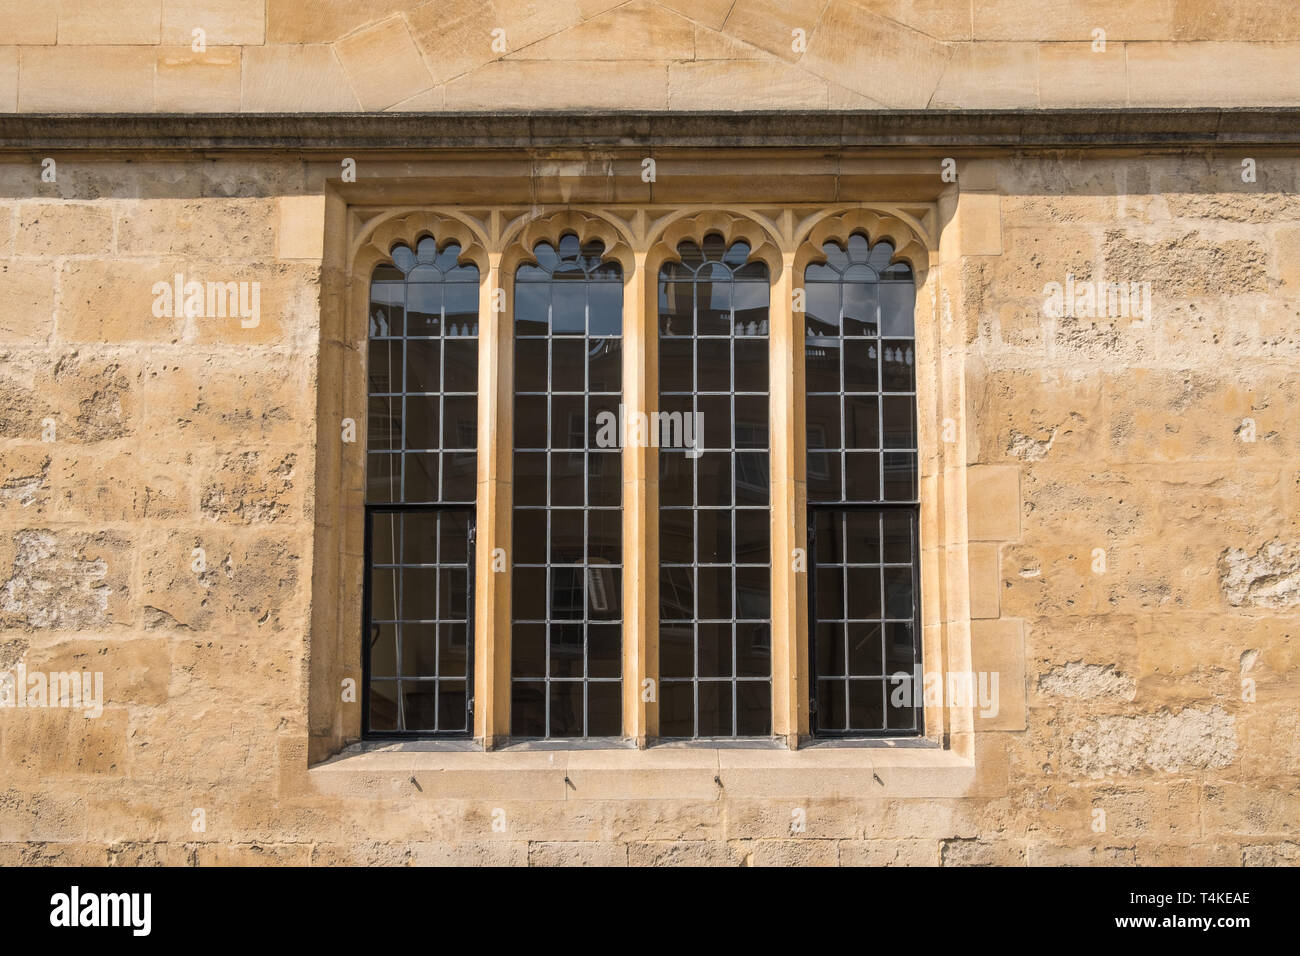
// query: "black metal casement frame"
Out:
[375,509]
[913,510]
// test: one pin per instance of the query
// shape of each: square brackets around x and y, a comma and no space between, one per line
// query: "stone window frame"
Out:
[788,236]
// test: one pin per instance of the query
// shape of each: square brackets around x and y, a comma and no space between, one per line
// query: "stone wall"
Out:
[139,56]
[1133,500]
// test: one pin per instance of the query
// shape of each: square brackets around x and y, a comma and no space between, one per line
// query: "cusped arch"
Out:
[524,236]
[731,225]
[407,227]
[906,238]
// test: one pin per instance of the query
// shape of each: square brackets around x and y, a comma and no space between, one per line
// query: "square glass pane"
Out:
[822,308]
[568,365]
[822,364]
[676,365]
[460,365]
[569,308]
[384,365]
[751,365]
[605,365]
[530,365]
[606,308]
[714,365]
[897,308]
[424,365]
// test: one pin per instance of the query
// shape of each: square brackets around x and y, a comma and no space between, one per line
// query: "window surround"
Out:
[642,237]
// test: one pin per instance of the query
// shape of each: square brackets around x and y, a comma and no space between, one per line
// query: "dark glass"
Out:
[383,706]
[604,479]
[897,371]
[754,708]
[862,476]
[568,422]
[753,649]
[383,478]
[605,365]
[714,593]
[751,421]
[715,649]
[568,534]
[862,421]
[419,594]
[828,644]
[528,708]
[861,361]
[861,309]
[530,421]
[823,413]
[822,308]
[676,651]
[530,365]
[453,710]
[713,368]
[715,415]
[453,650]
[830,537]
[460,365]
[567,656]
[606,309]
[676,594]
[862,536]
[866,704]
[752,535]
[865,649]
[898,308]
[676,365]
[568,365]
[824,476]
[714,542]
[420,705]
[831,705]
[676,536]
[568,481]
[677,709]
[822,364]
[899,415]
[750,364]
[714,716]
[528,650]
[900,476]
[421,422]
[604,650]
[459,421]
[528,594]
[604,708]
[385,366]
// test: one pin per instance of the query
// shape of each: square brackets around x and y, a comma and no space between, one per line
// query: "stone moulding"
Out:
[892,129]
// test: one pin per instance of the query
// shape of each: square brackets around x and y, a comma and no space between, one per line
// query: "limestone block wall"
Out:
[170,56]
[1131,493]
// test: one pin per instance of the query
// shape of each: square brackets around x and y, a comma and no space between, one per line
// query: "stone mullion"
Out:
[492,575]
[788,519]
[640,519]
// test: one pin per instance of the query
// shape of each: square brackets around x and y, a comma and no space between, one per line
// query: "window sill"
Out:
[614,770]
